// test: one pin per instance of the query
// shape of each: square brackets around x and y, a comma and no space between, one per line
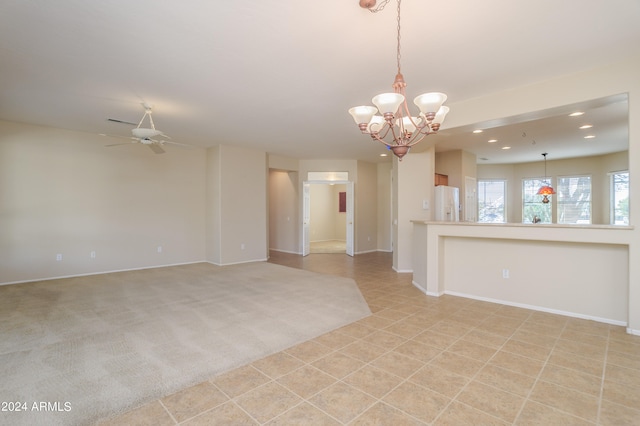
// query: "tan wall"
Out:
[450,163]
[413,184]
[384,222]
[242,205]
[597,289]
[63,192]
[283,211]
[212,208]
[277,162]
[576,271]
[366,214]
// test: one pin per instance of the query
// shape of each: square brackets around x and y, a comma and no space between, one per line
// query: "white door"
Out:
[306,217]
[349,248]
[470,199]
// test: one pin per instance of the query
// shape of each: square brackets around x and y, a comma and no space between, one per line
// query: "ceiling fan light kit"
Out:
[395,127]
[143,133]
[146,135]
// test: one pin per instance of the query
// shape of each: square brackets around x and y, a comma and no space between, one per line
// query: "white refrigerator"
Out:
[447,204]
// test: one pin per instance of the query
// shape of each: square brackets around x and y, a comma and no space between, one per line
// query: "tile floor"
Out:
[422,360]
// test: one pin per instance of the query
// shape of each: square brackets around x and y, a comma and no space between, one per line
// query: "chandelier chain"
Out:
[398,48]
[379,8]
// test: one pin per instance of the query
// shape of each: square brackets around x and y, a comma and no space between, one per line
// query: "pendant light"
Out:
[546,189]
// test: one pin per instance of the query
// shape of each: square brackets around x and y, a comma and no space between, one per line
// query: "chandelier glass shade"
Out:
[390,121]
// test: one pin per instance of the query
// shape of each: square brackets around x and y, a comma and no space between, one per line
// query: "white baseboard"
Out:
[419,287]
[285,251]
[237,263]
[632,331]
[358,252]
[366,251]
[102,272]
[540,309]
[424,290]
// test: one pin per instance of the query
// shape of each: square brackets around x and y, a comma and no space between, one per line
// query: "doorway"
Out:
[327,225]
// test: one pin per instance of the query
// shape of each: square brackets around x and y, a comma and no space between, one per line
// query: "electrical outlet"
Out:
[242,246]
[159,249]
[59,257]
[505,273]
[93,254]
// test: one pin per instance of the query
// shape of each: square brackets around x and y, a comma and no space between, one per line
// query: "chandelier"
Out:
[395,127]
[546,189]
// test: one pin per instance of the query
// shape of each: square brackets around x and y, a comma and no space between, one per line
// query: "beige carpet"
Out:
[97,345]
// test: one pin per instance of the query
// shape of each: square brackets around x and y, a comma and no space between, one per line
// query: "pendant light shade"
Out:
[545,191]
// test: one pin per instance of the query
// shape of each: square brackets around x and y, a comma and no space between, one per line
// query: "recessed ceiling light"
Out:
[576,114]
[586,126]
[383,155]
[506,147]
[590,136]
[477,131]
[484,159]
[492,140]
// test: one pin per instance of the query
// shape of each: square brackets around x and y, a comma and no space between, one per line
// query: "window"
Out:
[619,198]
[492,201]
[533,209]
[574,199]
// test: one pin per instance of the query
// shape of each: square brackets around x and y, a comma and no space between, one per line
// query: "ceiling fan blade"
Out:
[116,136]
[178,143]
[156,148]
[121,121]
[118,144]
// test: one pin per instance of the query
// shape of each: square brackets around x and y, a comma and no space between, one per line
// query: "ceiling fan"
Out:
[145,135]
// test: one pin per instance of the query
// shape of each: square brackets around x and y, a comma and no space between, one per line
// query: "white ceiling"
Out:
[281,75]
[522,139]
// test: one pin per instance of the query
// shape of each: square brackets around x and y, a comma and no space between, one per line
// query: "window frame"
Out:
[562,205]
[540,181]
[612,198]
[505,184]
